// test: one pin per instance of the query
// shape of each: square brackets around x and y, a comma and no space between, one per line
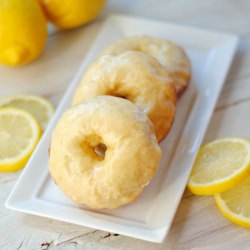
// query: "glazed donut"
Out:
[137,77]
[129,163]
[169,54]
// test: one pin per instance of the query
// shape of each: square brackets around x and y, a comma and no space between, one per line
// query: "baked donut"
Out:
[169,54]
[129,163]
[137,77]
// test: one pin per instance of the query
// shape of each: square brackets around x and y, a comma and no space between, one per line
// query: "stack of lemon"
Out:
[23,26]
[22,120]
[222,169]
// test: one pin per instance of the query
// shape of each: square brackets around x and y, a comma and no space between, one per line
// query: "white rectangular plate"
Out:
[150,216]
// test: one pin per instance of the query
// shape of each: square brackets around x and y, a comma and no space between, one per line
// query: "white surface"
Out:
[211,55]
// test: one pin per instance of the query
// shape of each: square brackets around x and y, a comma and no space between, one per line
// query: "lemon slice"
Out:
[234,204]
[39,107]
[19,134]
[220,165]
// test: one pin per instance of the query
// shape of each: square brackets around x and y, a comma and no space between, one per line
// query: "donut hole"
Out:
[118,94]
[94,147]
[137,49]
[100,149]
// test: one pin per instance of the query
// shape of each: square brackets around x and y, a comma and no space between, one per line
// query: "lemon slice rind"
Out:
[18,161]
[227,182]
[234,217]
[27,102]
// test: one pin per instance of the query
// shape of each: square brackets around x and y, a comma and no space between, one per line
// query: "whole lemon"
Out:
[23,31]
[67,14]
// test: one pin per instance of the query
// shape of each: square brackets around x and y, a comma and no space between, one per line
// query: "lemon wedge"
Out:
[234,204]
[19,134]
[39,107]
[220,165]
